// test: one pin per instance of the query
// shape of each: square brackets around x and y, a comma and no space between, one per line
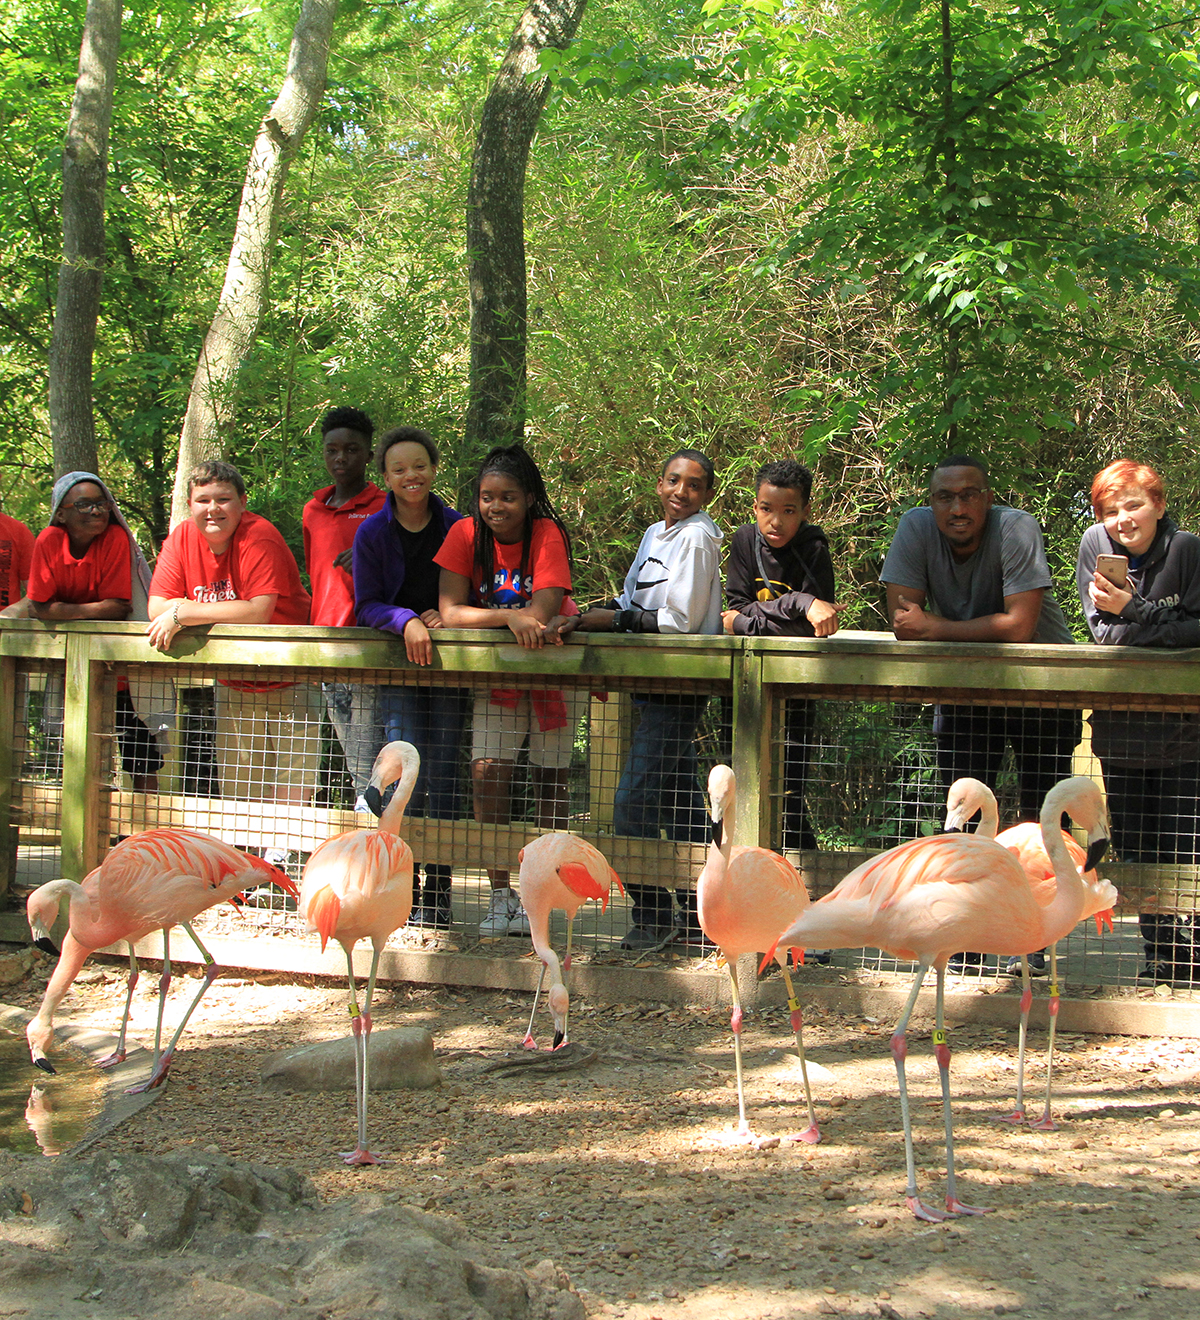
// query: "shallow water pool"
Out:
[40,1114]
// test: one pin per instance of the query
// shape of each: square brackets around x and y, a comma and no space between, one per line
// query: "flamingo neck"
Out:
[1066,908]
[989,819]
[393,813]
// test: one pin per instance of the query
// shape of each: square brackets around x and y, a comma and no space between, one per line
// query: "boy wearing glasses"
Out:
[982,568]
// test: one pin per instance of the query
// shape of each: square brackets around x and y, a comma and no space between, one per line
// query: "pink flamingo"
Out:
[929,898]
[1024,841]
[150,881]
[559,871]
[743,897]
[358,885]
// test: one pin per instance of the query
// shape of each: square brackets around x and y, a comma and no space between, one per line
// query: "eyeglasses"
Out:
[90,506]
[945,499]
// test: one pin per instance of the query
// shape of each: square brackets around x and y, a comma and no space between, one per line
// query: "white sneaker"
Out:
[361,807]
[505,915]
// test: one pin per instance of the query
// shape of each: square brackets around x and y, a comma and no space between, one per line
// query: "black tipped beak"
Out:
[1095,851]
[374,799]
[46,1066]
[47,945]
[954,829]
[558,1040]
[718,832]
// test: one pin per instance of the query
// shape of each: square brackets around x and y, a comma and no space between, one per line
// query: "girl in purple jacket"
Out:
[396,590]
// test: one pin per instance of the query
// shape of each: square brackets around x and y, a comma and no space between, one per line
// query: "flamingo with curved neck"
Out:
[743,896]
[358,885]
[1024,841]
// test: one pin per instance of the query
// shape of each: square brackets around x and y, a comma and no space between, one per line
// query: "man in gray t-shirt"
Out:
[982,569]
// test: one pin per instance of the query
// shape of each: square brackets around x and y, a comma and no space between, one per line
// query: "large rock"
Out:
[401,1060]
[15,963]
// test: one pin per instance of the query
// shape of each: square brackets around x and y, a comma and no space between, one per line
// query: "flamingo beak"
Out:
[46,1066]
[1096,850]
[47,945]
[374,799]
[558,1040]
[718,832]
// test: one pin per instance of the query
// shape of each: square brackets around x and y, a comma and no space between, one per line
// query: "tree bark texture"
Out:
[496,225]
[81,274]
[247,276]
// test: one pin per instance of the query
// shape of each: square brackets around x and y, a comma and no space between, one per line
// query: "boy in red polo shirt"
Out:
[226,565]
[331,519]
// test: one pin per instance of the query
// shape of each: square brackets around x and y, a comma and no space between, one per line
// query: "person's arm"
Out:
[54,611]
[528,625]
[19,609]
[911,622]
[168,616]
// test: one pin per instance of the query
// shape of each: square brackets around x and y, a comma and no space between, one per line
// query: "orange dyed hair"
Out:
[1120,476]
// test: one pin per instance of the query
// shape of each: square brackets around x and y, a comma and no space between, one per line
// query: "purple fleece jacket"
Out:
[379,566]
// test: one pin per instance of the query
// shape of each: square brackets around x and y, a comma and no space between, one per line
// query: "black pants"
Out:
[971,742]
[1155,818]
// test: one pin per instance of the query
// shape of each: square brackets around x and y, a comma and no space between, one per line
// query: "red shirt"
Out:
[257,562]
[102,574]
[547,567]
[327,532]
[16,554]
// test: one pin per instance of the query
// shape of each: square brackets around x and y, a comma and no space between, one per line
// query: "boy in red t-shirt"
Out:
[331,519]
[226,565]
[16,554]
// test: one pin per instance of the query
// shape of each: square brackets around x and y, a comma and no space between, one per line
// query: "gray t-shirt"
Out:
[1010,559]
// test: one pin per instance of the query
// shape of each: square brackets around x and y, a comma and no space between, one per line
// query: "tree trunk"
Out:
[81,275]
[244,295]
[496,225]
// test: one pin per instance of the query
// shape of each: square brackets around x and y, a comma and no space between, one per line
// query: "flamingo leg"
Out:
[360,1023]
[529,1043]
[1046,1123]
[164,984]
[118,1055]
[566,978]
[899,1045]
[158,1073]
[1018,1114]
[941,1049]
[735,1021]
[812,1133]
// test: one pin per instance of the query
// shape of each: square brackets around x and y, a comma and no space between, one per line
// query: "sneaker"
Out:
[362,807]
[1157,973]
[1037,965]
[505,915]
[433,916]
[640,938]
[967,964]
[692,937]
[819,956]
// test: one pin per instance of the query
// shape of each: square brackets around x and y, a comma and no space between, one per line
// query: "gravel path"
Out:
[623,1170]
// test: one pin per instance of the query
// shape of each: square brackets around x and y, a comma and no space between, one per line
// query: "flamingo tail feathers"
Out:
[768,958]
[324,909]
[1104,919]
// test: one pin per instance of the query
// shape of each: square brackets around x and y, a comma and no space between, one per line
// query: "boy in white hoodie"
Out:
[673,586]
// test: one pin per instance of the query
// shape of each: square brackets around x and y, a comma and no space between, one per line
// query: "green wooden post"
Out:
[81,760]
[751,748]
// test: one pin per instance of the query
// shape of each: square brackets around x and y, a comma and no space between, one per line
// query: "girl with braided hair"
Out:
[508,566]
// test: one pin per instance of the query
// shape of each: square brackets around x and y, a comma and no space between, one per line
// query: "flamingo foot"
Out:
[1043,1124]
[156,1078]
[957,1207]
[359,1156]
[810,1136]
[117,1056]
[529,1043]
[1015,1119]
[926,1212]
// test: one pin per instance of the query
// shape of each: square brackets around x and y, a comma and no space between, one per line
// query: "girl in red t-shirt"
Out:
[508,566]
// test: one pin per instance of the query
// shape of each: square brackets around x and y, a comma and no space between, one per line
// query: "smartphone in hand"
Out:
[1115,568]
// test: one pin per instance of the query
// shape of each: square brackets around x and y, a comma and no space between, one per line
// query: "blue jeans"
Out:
[352,712]
[432,720]
[660,790]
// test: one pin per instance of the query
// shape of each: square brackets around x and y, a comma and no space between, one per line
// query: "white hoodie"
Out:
[676,574]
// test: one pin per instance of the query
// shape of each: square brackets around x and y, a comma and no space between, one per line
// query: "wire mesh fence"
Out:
[276,759]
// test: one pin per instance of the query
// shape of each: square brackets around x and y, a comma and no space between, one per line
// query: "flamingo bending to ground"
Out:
[931,897]
[150,881]
[744,896]
[358,885]
[1024,841]
[559,871]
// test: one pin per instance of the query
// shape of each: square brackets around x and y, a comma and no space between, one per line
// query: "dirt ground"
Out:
[624,1170]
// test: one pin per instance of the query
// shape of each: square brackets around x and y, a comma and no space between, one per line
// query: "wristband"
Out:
[624,621]
[175,614]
